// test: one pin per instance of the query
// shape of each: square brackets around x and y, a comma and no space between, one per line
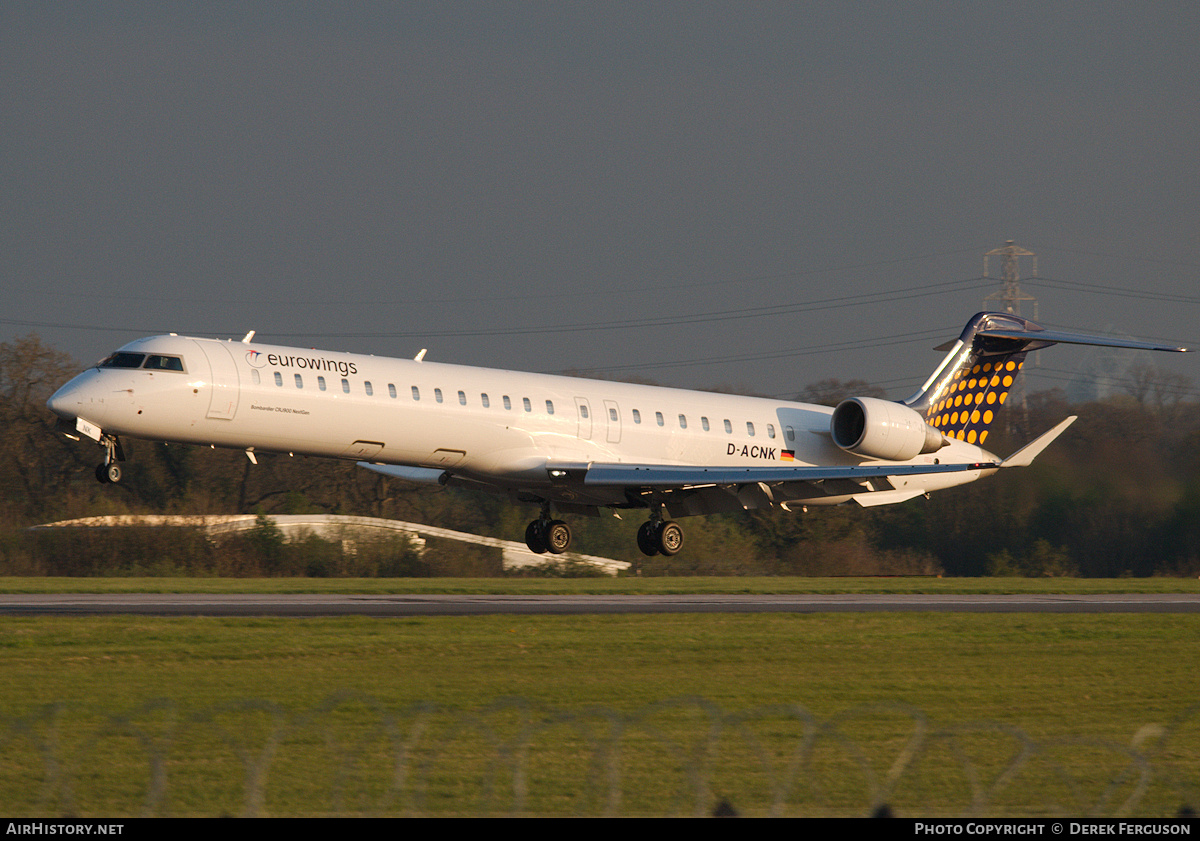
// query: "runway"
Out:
[157,604]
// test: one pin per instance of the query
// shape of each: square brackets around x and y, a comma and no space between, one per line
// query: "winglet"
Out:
[1025,456]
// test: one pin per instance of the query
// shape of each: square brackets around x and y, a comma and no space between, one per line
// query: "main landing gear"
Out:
[655,537]
[658,536]
[545,535]
[109,471]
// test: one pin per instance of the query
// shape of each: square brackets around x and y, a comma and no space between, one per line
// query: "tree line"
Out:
[1117,495]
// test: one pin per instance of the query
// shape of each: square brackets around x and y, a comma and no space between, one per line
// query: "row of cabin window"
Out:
[528,406]
[484,400]
[683,422]
[704,424]
[369,389]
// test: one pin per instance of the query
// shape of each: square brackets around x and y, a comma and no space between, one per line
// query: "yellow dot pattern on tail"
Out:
[975,394]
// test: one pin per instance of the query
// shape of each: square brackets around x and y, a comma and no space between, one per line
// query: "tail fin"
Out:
[962,396]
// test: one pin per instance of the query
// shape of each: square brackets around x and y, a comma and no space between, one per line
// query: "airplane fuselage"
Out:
[502,429]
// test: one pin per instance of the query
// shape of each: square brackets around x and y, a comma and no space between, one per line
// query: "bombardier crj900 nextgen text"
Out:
[571,445]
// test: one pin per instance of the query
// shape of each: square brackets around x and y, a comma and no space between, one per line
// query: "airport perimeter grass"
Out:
[1084,688]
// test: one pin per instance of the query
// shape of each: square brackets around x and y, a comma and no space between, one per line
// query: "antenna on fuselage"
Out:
[246,338]
[420,357]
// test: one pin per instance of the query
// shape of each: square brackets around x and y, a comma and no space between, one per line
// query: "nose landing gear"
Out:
[109,471]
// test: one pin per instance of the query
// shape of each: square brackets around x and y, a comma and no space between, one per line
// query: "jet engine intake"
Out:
[867,426]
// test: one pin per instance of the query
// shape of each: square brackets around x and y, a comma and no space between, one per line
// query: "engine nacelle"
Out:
[867,426]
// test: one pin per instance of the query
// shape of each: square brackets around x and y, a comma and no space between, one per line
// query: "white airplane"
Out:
[569,444]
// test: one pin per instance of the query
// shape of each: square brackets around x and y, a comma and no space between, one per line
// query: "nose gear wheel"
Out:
[109,472]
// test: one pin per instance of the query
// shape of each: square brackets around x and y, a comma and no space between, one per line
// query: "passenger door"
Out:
[226,385]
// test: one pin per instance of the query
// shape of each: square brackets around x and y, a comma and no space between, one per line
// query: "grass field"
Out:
[935,714]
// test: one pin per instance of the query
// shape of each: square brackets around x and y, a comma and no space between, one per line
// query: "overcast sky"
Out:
[750,194]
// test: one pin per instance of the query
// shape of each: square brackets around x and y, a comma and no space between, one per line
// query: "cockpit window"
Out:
[121,359]
[163,363]
[153,362]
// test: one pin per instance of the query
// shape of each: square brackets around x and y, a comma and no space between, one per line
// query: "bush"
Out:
[170,551]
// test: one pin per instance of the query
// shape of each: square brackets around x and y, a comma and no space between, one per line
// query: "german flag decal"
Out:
[787,455]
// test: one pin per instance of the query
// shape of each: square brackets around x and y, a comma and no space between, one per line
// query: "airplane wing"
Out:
[685,476]
[671,477]
[666,476]
[690,489]
[712,488]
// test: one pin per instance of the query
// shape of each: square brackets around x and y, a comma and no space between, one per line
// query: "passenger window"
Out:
[583,412]
[790,433]
[507,403]
[528,405]
[367,385]
[683,421]
[462,398]
[658,417]
[612,414]
[321,383]
[437,395]
[728,427]
[392,390]
[345,385]
[279,379]
[770,430]
[704,423]
[483,398]
[299,381]
[254,377]
[749,428]
[637,416]
[549,407]
[416,393]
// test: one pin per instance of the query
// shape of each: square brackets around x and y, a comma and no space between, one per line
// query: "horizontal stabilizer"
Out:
[1025,456]
[1056,337]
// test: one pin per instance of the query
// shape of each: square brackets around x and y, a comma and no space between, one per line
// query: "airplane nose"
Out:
[65,402]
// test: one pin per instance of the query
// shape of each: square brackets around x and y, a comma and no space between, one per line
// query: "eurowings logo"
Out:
[258,359]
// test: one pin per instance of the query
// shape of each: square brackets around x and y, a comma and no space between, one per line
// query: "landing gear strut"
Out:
[547,535]
[658,536]
[109,472]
